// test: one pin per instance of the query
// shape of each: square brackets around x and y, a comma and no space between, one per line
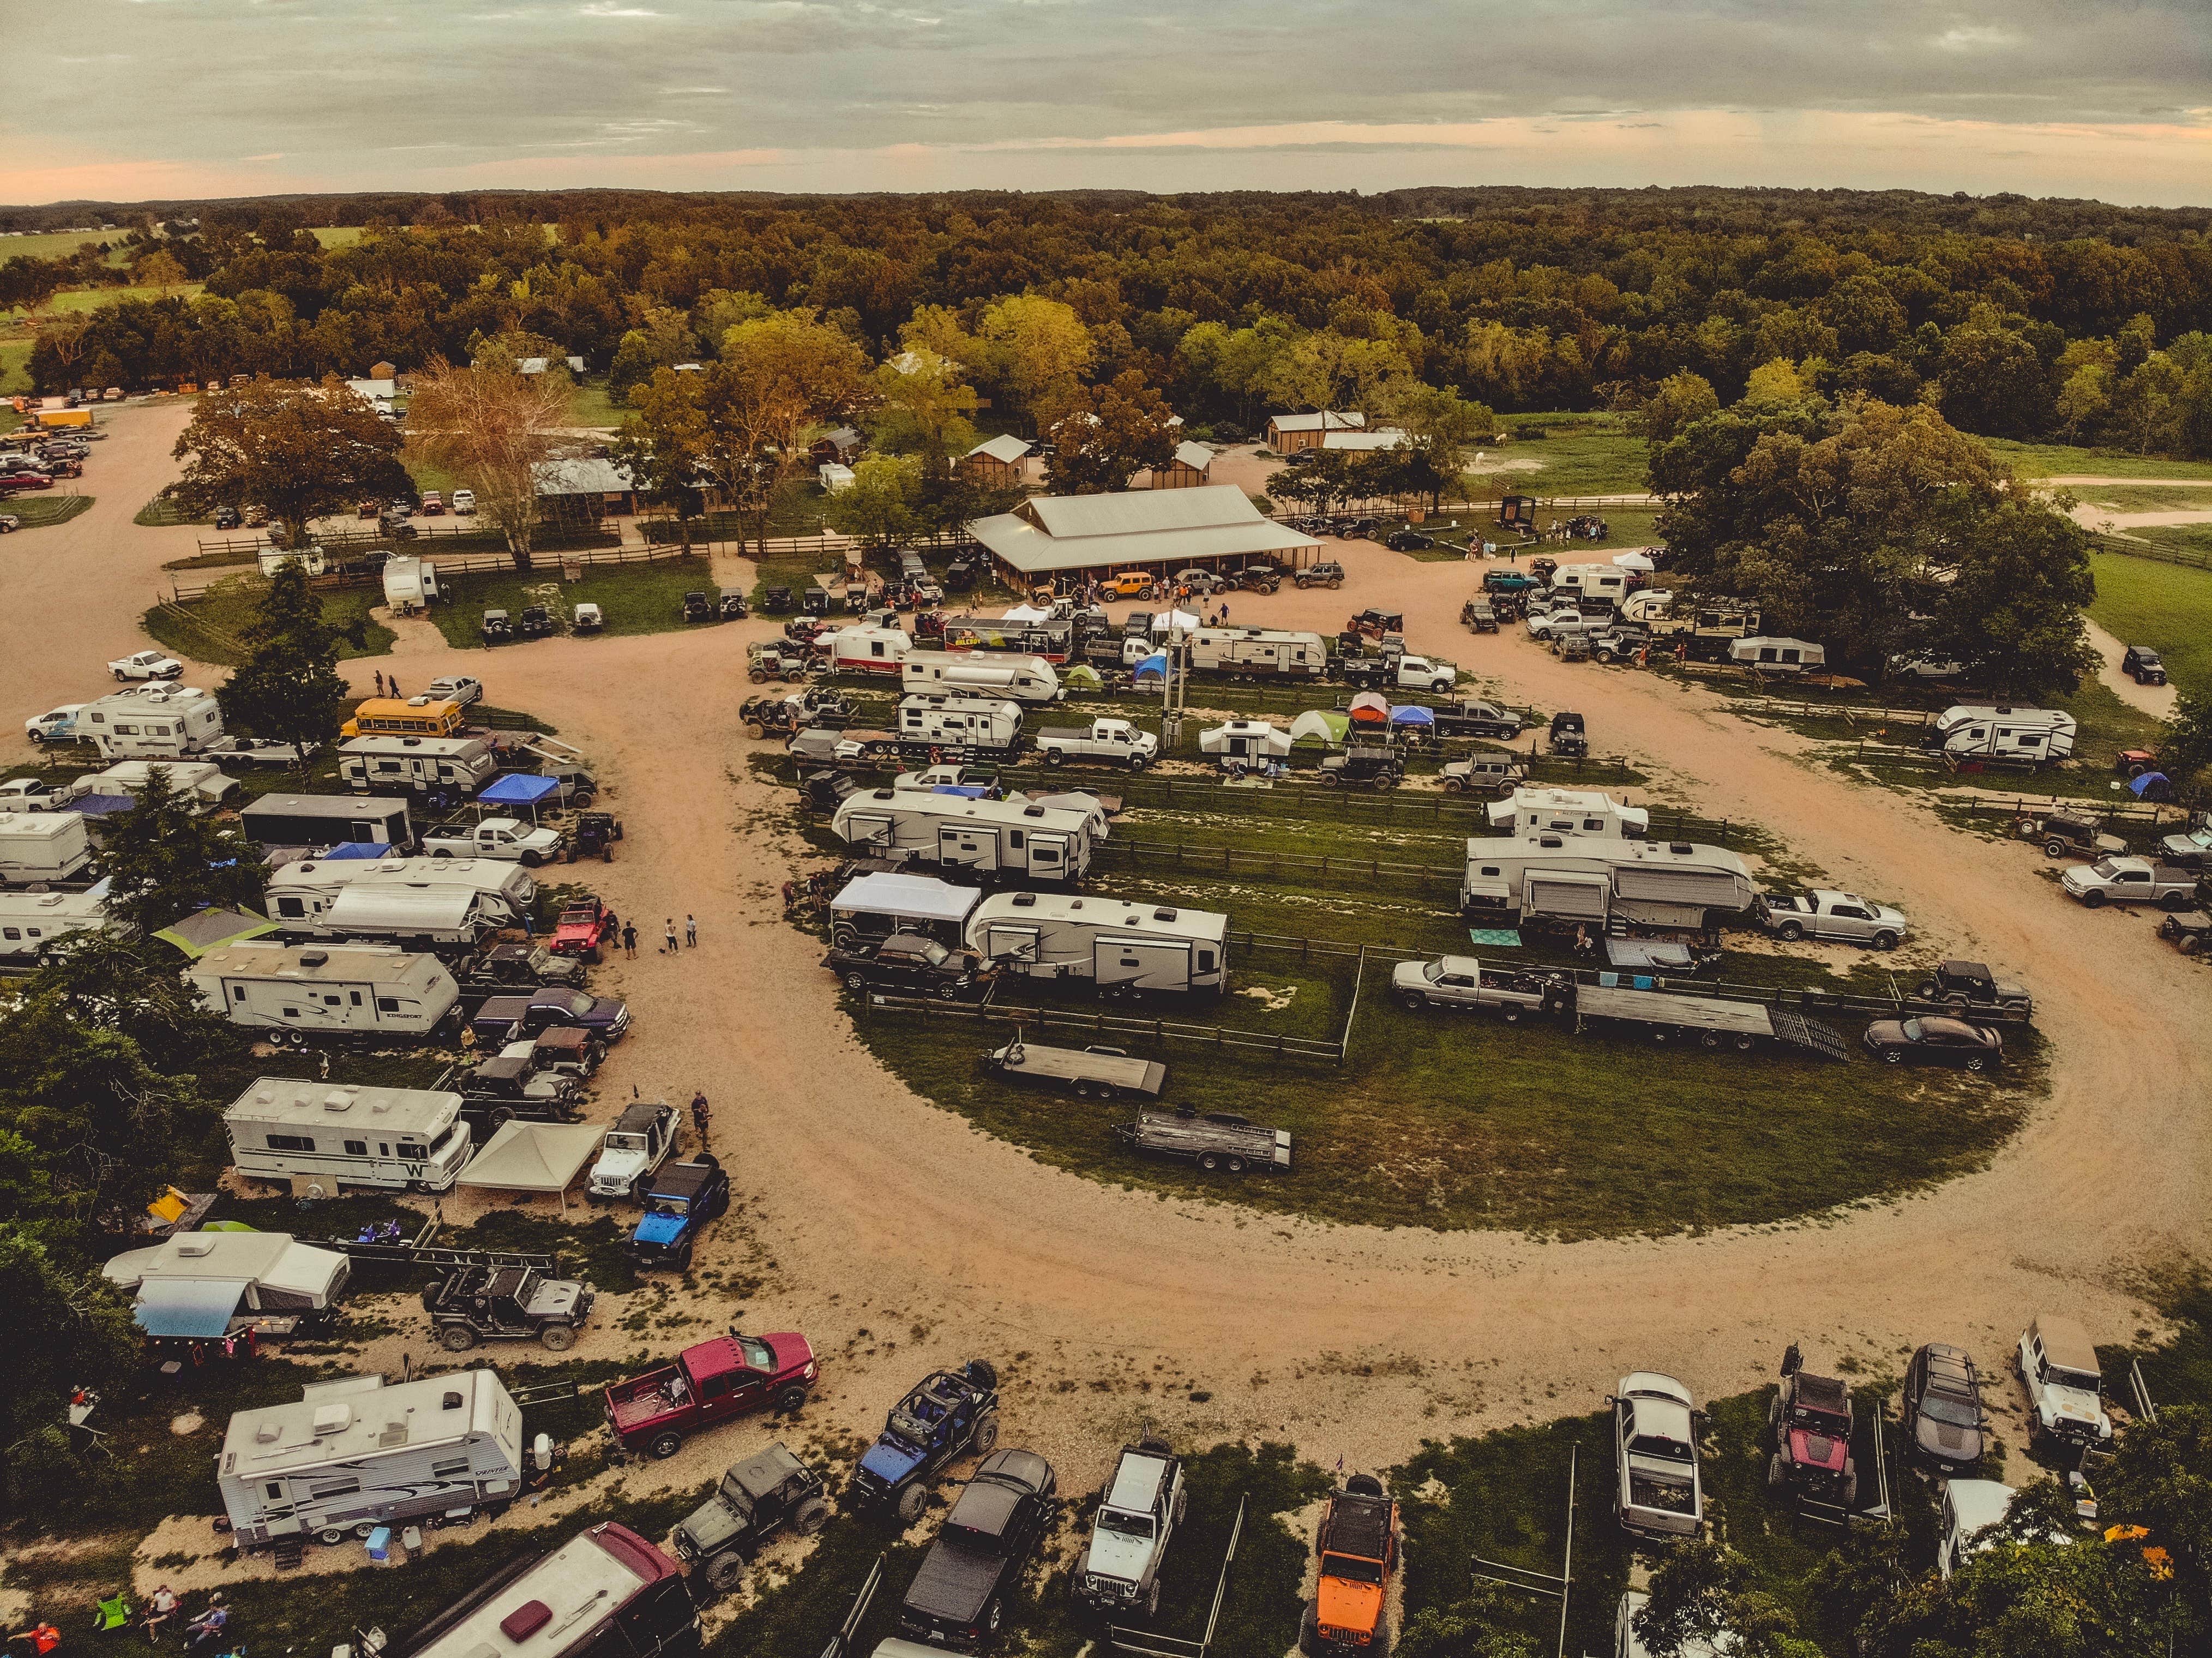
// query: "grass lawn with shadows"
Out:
[2141,601]
[645,598]
[1579,454]
[2038,460]
[40,511]
[209,628]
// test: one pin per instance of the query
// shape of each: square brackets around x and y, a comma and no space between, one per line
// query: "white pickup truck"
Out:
[147,664]
[1108,742]
[2130,881]
[498,837]
[1822,913]
[1460,981]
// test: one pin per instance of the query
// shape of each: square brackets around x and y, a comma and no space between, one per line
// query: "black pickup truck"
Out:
[1468,718]
[959,1597]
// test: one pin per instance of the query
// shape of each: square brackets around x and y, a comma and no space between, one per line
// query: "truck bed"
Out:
[641,1399]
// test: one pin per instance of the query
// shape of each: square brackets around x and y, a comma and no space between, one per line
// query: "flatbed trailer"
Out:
[1103,1073]
[1709,1021]
[1214,1141]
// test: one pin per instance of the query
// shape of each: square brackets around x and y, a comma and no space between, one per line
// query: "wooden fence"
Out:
[369,573]
[2193,558]
[1103,1025]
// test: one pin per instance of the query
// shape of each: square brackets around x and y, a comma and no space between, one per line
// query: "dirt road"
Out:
[2158,700]
[900,1236]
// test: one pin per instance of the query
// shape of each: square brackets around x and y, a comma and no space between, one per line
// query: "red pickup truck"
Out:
[715,1382]
[585,928]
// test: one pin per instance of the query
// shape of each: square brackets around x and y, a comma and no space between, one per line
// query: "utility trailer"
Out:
[1217,1141]
[1103,1074]
[1709,1021]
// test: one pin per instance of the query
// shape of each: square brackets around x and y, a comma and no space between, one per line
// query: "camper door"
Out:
[1048,856]
[1021,946]
[1141,963]
[961,846]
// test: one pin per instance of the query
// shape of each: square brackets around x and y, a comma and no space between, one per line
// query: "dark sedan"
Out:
[1943,1417]
[909,964]
[1935,1042]
[1408,541]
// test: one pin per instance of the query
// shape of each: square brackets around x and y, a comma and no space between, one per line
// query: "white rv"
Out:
[1264,651]
[1588,879]
[413,917]
[1768,655]
[1568,812]
[409,584]
[309,558]
[987,836]
[981,724]
[1023,678]
[42,846]
[32,922]
[2021,736]
[1647,604]
[282,1129]
[421,765]
[151,721]
[301,891]
[200,783]
[320,993]
[1246,739]
[275,1280]
[1605,581]
[358,1453]
[866,650]
[1118,942]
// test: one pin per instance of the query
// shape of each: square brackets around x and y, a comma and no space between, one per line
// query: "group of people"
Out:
[207,1633]
[627,931]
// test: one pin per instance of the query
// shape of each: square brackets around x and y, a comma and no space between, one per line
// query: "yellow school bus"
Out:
[385,716]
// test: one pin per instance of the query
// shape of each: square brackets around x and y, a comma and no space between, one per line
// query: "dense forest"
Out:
[2017,317]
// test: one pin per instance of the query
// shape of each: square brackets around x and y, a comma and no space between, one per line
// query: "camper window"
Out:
[289,1143]
[355,995]
[276,1490]
[1016,840]
[1205,961]
[289,1012]
[292,909]
[388,1004]
[413,1149]
[10,932]
[357,1148]
[323,1490]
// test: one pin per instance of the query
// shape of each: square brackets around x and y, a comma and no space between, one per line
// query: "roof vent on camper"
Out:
[1077,904]
[451,1401]
[333,1418]
[340,1099]
[267,1434]
[2002,708]
[882,794]
[1032,811]
[1680,848]
[314,957]
[395,1433]
[1164,915]
[410,742]
[1024,901]
[195,1244]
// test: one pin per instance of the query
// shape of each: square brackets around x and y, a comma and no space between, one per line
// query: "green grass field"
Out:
[1592,454]
[2167,606]
[206,629]
[638,599]
[2147,497]
[53,245]
[594,407]
[343,235]
[15,373]
[2038,460]
[2187,541]
[39,511]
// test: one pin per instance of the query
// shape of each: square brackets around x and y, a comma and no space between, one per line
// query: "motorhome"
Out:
[301,891]
[272,1279]
[864,650]
[1021,678]
[310,994]
[409,584]
[1266,651]
[283,1129]
[1117,943]
[439,919]
[42,846]
[456,766]
[979,724]
[1576,877]
[1013,836]
[2002,736]
[389,716]
[356,1453]
[151,721]
[319,821]
[200,784]
[1764,655]
[1568,812]
[1605,581]
[31,923]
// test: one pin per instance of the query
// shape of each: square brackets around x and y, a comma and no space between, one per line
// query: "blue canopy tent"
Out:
[195,1307]
[1413,715]
[521,791]
[2151,785]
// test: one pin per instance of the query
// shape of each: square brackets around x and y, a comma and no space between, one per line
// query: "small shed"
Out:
[584,490]
[1288,433]
[1193,465]
[996,463]
[841,445]
[381,371]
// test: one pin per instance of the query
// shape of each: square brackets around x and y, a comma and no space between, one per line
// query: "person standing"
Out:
[630,939]
[669,948]
[380,682]
[394,683]
[690,931]
[702,1117]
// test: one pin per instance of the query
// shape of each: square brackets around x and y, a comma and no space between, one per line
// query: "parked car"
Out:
[2142,665]
[1823,914]
[2190,849]
[585,928]
[1461,981]
[498,627]
[909,964]
[958,1596]
[1479,615]
[225,518]
[464,502]
[1327,573]
[1408,541]
[1357,1546]
[1259,578]
[2130,881]
[1558,622]
[1201,583]
[950,1414]
[642,1138]
[434,503]
[1655,1442]
[1569,737]
[455,688]
[1963,988]
[1811,1419]
[2057,1363]
[1141,1505]
[1129,584]
[1929,1039]
[471,1304]
[1945,1425]
[31,794]
[2062,832]
[2190,932]
[679,1201]
[147,664]
[712,1382]
[1494,774]
[20,476]
[768,1493]
[1364,767]
[9,524]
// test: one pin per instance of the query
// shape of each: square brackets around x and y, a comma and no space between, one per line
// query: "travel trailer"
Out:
[317,821]
[989,837]
[31,923]
[151,722]
[358,1453]
[1575,877]
[392,765]
[301,891]
[1119,944]
[864,650]
[1567,811]
[282,1129]
[1023,678]
[42,846]
[311,993]
[1605,581]
[1261,651]
[413,917]
[1765,655]
[409,584]
[1246,739]
[980,724]
[309,558]
[201,784]
[2000,736]
[605,1592]
[274,1281]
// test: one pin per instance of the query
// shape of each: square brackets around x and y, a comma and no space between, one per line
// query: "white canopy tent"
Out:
[907,897]
[1634,560]
[1166,621]
[533,1157]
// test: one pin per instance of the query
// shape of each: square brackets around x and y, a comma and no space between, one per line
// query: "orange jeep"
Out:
[1130,584]
[1359,1547]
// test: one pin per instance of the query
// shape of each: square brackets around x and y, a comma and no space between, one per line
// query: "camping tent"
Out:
[1083,678]
[1322,726]
[2151,785]
[1370,708]
[1154,666]
[533,1157]
[211,929]
[101,805]
[345,850]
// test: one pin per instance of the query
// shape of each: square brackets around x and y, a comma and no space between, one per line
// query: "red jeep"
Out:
[715,1382]
[585,928]
[1812,1421]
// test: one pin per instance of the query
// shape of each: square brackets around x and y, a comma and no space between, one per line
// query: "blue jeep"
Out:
[683,1198]
[950,1414]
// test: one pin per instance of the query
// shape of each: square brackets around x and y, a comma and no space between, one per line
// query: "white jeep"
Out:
[1142,1505]
[2057,1364]
[641,1140]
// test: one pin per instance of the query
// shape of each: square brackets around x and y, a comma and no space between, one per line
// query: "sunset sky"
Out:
[126,99]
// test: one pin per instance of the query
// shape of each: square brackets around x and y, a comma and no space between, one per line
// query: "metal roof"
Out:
[1004,447]
[1134,527]
[358,1418]
[915,897]
[1383,437]
[587,476]
[1195,455]
[1326,419]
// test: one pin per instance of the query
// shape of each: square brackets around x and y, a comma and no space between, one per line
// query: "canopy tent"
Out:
[1026,613]
[211,929]
[533,1157]
[1321,724]
[356,849]
[1370,708]
[907,897]
[1082,677]
[1634,560]
[520,788]
[1166,621]
[1413,714]
[196,1307]
[1154,666]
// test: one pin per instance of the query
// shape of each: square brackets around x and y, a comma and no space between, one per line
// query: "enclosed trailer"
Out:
[1245,739]
[388,765]
[1264,653]
[1028,635]
[151,721]
[311,993]
[864,650]
[282,1129]
[31,923]
[356,1453]
[301,891]
[1023,678]
[979,724]
[42,846]
[410,583]
[1117,943]
[319,821]
[986,837]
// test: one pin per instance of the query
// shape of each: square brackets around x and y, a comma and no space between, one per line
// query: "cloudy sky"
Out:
[140,99]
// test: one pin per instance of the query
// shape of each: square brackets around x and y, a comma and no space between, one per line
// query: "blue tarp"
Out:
[2140,786]
[520,789]
[194,1307]
[357,849]
[1412,714]
[1154,666]
[101,806]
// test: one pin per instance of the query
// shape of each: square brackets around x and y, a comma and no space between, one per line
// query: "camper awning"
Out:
[519,789]
[909,897]
[211,929]
[101,805]
[190,1307]
[533,1157]
[1322,726]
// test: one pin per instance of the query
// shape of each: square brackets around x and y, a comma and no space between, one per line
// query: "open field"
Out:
[2191,542]
[2168,605]
[92,298]
[207,630]
[342,235]
[2039,460]
[15,373]
[594,407]
[2147,497]
[1579,454]
[645,598]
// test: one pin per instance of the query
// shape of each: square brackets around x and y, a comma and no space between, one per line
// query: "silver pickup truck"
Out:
[1822,913]
[2130,881]
[1461,982]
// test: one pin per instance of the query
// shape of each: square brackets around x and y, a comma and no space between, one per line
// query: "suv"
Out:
[2142,663]
[1201,583]
[585,928]
[682,1198]
[2065,832]
[1569,737]
[1655,1442]
[949,1414]
[1259,578]
[1408,541]
[642,1139]
[1499,774]
[1961,988]
[768,1493]
[958,1595]
[2058,1365]
[1328,573]
[1811,1416]
[1944,1422]
[506,1304]
[1138,1514]
[910,963]
[498,627]
[1364,767]
[1358,1549]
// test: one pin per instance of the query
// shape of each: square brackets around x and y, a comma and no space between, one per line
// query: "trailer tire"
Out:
[1790,932]
[330,1534]
[1234,1165]
[1742,1042]
[1209,1161]
[457,1338]
[557,1338]
[664,1445]
[1709,1039]
[1107,1092]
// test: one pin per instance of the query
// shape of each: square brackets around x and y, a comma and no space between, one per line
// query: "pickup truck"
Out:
[642,1138]
[2190,850]
[714,1383]
[147,664]
[984,779]
[1468,718]
[1108,742]
[958,1599]
[1138,1514]
[603,1017]
[2130,881]
[1822,913]
[498,837]
[30,794]
[1425,673]
[1460,981]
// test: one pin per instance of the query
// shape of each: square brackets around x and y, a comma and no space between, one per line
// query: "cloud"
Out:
[273,155]
[608,8]
[1978,37]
